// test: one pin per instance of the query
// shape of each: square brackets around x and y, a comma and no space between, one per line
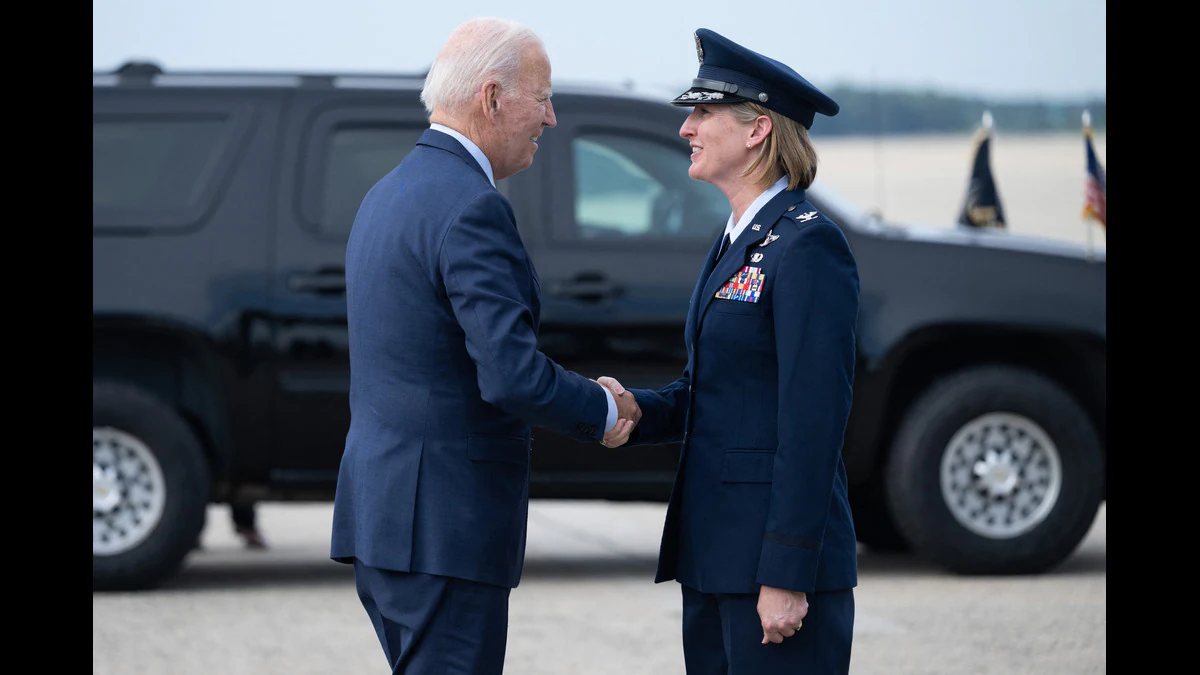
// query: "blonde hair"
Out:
[477,51]
[787,150]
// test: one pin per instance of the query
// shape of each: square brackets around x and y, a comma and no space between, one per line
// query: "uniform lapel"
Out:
[735,258]
[694,306]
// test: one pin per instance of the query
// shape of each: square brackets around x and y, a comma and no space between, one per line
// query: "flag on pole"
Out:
[1094,195]
[982,208]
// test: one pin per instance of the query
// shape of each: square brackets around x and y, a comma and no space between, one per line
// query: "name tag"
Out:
[745,286]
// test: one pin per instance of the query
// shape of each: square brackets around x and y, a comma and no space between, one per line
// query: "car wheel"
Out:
[995,470]
[150,487]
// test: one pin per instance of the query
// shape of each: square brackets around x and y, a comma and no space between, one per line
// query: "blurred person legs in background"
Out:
[245,522]
[243,515]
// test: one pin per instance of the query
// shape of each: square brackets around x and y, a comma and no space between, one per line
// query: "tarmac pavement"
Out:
[586,605]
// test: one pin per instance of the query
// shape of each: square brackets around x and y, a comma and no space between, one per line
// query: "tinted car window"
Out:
[632,187]
[357,157]
[156,164]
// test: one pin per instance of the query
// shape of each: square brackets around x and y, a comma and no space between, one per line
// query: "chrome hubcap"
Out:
[106,492]
[128,491]
[1001,475]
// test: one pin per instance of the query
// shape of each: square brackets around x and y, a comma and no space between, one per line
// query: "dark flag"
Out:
[1094,195]
[982,208]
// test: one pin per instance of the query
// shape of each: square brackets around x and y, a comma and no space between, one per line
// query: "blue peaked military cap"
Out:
[730,73]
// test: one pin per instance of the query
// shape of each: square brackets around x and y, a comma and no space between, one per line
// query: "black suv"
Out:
[221,203]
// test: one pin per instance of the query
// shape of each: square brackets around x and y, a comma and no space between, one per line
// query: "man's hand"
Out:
[628,414]
[781,612]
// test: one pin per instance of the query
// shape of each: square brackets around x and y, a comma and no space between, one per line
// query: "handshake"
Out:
[628,414]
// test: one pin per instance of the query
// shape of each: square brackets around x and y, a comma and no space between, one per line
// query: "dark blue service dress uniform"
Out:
[760,497]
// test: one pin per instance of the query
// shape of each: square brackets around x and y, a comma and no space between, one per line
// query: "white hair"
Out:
[477,51]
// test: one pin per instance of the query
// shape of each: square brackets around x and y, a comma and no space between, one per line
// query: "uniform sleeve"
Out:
[664,412]
[815,304]
[483,264]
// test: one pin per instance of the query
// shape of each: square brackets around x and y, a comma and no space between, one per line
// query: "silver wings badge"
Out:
[770,238]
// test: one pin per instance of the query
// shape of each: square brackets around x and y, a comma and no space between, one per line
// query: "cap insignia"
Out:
[701,96]
[699,49]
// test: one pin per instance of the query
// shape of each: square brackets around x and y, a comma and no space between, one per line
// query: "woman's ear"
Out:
[762,129]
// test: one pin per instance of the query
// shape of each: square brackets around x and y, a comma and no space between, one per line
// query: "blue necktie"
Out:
[724,246]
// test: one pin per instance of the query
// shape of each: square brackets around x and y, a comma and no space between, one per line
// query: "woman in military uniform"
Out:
[758,530]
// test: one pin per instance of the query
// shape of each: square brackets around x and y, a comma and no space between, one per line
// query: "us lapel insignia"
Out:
[805,217]
[770,238]
[756,257]
[756,227]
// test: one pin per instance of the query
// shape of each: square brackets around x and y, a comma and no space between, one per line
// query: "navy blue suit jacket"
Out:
[760,494]
[445,376]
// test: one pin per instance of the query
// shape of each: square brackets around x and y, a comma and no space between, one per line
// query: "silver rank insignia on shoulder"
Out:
[756,227]
[805,217]
[756,257]
[770,238]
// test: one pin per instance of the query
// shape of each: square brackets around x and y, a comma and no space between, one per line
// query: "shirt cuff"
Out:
[612,409]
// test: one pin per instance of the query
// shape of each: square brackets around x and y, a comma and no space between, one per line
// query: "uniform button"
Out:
[791,208]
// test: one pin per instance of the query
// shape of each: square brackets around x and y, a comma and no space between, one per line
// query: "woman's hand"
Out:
[628,413]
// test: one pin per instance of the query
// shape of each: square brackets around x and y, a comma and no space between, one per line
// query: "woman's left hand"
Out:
[781,612]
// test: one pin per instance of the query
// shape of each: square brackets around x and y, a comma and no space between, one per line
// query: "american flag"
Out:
[1094,199]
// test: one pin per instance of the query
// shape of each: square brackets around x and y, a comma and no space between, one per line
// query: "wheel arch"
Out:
[1075,361]
[174,362]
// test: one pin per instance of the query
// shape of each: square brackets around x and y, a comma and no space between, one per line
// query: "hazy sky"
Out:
[996,49]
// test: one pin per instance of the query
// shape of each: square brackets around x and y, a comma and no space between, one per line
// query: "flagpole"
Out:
[1087,222]
[877,126]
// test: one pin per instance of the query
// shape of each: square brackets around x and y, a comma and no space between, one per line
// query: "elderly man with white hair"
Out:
[445,376]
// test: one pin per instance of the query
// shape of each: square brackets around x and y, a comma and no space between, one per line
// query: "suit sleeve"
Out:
[487,277]
[816,308]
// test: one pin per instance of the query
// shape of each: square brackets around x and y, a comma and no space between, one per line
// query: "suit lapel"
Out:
[735,258]
[535,295]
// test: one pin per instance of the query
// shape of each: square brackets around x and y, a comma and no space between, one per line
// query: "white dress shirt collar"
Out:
[471,148]
[734,230]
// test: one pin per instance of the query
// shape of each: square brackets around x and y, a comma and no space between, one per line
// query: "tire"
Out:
[150,488]
[995,470]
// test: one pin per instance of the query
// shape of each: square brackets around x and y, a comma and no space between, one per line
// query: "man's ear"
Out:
[490,99]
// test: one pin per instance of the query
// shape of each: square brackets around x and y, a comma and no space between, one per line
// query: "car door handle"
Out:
[322,282]
[587,287]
